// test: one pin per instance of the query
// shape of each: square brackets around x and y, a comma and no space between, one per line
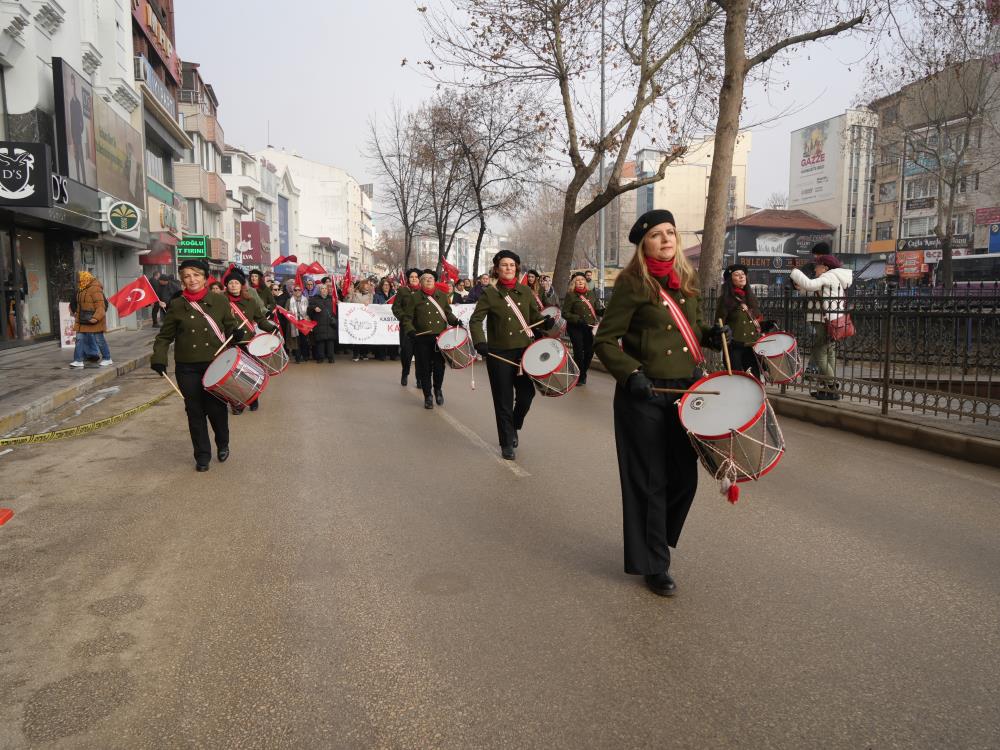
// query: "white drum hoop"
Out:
[269,350]
[455,345]
[778,354]
[559,379]
[235,377]
[558,330]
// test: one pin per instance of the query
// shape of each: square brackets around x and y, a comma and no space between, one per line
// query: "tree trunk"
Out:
[567,246]
[479,245]
[726,131]
[407,247]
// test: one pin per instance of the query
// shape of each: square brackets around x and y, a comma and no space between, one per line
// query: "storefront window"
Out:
[29,269]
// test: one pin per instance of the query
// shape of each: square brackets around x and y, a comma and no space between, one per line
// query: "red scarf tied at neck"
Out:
[507,283]
[581,292]
[739,292]
[234,297]
[430,293]
[194,296]
[661,268]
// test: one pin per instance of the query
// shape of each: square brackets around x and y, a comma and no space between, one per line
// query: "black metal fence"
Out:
[922,350]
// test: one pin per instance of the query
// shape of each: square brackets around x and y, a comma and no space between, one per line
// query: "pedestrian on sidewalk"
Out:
[426,316]
[581,308]
[828,291]
[196,322]
[324,335]
[655,313]
[404,297]
[91,321]
[166,287]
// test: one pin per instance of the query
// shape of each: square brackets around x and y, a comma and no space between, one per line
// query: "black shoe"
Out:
[514,443]
[833,397]
[818,395]
[201,467]
[661,584]
[439,397]
[418,384]
[507,452]
[428,402]
[255,406]
[330,361]
[223,454]
[582,380]
[403,380]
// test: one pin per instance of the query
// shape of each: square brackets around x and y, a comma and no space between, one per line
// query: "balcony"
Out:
[197,120]
[192,181]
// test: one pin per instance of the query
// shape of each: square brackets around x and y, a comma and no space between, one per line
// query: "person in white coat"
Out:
[829,290]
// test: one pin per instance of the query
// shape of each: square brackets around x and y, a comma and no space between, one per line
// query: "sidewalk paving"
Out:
[37,379]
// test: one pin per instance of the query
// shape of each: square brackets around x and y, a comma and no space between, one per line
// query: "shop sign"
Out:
[25,177]
[934,256]
[76,126]
[158,88]
[146,16]
[994,246]
[909,264]
[193,246]
[916,204]
[958,241]
[168,218]
[986,216]
[123,217]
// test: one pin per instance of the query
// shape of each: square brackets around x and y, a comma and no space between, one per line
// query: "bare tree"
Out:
[552,48]
[939,114]
[535,237]
[394,153]
[776,200]
[390,251]
[753,34]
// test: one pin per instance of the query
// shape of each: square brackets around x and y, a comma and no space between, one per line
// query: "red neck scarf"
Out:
[739,292]
[255,284]
[662,268]
[430,293]
[195,296]
[414,287]
[581,292]
[234,298]
[507,284]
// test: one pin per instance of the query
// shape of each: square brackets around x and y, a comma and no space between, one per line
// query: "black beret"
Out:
[533,272]
[581,274]
[506,254]
[821,248]
[412,271]
[730,270]
[236,274]
[256,271]
[647,221]
[196,263]
[429,271]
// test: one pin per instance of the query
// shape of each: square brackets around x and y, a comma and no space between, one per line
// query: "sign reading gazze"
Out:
[193,246]
[25,174]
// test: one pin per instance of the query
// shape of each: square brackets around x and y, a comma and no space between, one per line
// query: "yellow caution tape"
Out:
[83,429]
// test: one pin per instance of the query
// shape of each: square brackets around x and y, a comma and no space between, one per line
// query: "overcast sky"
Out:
[316,71]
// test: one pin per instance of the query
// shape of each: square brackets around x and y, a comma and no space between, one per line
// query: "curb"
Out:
[42,406]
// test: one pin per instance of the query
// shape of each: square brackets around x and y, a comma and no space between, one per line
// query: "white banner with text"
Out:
[375,325]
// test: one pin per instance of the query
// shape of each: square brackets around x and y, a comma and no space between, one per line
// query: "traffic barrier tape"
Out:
[83,429]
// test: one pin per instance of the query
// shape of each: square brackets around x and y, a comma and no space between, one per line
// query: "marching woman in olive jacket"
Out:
[404,296]
[197,322]
[581,309]
[739,310]
[263,291]
[424,317]
[655,313]
[508,308]
[247,312]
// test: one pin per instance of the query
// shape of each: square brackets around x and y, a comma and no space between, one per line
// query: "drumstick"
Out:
[424,333]
[681,390]
[725,349]
[226,342]
[172,385]
[504,359]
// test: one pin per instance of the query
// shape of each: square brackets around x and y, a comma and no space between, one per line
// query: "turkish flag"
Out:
[524,279]
[284,259]
[449,269]
[131,297]
[304,326]
[315,267]
[346,286]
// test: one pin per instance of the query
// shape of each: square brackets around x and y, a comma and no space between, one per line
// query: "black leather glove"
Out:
[158,368]
[460,324]
[639,386]
[547,322]
[600,313]
[714,338]
[483,349]
[769,326]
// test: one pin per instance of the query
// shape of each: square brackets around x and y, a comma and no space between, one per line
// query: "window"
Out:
[968,183]
[922,187]
[227,165]
[194,223]
[962,223]
[154,166]
[920,227]
[887,191]
[883,230]
[889,154]
[890,115]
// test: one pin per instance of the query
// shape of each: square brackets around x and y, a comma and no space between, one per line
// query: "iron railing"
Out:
[926,351]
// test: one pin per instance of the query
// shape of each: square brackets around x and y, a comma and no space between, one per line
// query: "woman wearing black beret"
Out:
[424,317]
[655,312]
[739,310]
[248,312]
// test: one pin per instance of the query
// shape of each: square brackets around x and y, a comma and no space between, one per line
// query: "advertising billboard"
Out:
[814,162]
[76,141]
[119,156]
[25,177]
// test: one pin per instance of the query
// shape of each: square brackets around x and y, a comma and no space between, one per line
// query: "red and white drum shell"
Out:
[559,329]
[235,377]
[778,354]
[551,369]
[736,428]
[269,349]
[455,345]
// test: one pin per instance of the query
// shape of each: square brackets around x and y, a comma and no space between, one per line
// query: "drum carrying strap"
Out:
[208,319]
[520,317]
[680,319]
[241,316]
[434,302]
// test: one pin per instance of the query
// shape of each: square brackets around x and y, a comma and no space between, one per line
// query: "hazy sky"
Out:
[318,70]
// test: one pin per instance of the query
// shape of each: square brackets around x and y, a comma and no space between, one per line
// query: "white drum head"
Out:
[774,344]
[738,404]
[263,344]
[552,311]
[220,367]
[452,338]
[543,357]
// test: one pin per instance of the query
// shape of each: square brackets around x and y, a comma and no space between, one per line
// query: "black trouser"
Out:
[323,350]
[512,394]
[405,352]
[305,347]
[581,336]
[744,359]
[361,350]
[430,362]
[202,407]
[658,469]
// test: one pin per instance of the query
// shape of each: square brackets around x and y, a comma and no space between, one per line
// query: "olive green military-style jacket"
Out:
[575,310]
[420,315]
[503,329]
[253,312]
[193,338]
[649,337]
[404,296]
[266,296]
[740,320]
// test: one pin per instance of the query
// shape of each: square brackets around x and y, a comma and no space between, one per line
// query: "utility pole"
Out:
[600,216]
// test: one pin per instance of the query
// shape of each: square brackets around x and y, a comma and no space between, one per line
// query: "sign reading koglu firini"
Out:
[193,246]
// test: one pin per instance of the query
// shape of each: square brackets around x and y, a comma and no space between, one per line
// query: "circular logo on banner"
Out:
[361,324]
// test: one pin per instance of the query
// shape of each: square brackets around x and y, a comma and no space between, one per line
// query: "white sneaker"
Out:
[106,362]
[74,363]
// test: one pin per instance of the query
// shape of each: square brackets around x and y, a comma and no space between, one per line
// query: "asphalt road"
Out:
[363,573]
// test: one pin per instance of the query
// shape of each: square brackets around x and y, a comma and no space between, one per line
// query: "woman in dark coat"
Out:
[739,310]
[248,313]
[324,335]
[263,291]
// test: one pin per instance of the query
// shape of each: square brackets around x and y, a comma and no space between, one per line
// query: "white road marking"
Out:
[474,438]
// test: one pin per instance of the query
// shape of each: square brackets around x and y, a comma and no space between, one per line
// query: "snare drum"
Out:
[559,329]
[551,369]
[235,377]
[778,354]
[456,347]
[269,348]
[736,429]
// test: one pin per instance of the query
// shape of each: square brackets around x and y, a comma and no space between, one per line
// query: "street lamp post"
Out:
[600,216]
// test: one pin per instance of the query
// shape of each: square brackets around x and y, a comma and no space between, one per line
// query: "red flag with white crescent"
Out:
[449,269]
[134,296]
[346,287]
[304,326]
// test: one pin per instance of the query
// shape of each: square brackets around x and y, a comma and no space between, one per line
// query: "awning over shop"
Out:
[872,271]
[161,257]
